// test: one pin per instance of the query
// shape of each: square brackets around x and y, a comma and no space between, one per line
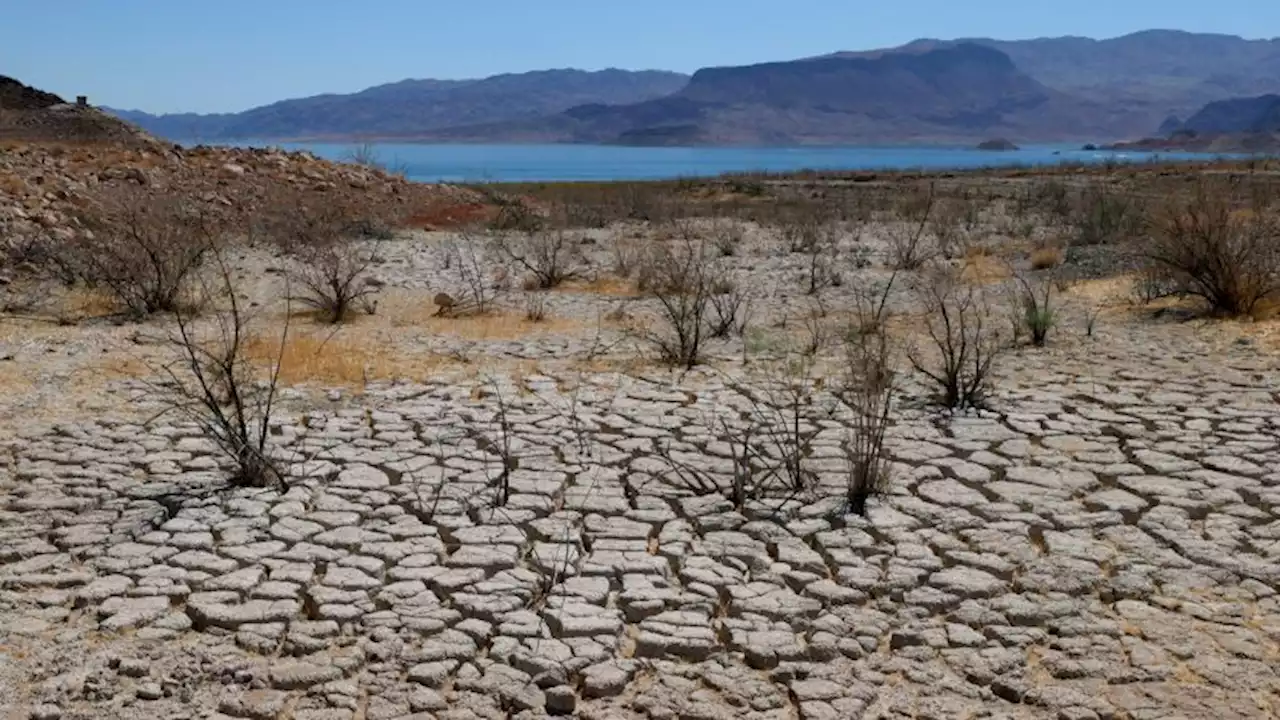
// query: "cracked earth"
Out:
[1103,543]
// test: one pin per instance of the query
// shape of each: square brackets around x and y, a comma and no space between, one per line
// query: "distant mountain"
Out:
[1238,125]
[1238,115]
[954,93]
[1151,74]
[1047,89]
[411,107]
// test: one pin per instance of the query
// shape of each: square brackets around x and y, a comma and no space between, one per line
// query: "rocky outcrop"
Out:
[14,95]
[42,185]
[961,93]
[998,144]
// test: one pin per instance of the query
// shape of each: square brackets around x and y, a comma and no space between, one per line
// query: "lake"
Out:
[522,163]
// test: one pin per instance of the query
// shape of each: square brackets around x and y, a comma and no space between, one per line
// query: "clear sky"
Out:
[229,55]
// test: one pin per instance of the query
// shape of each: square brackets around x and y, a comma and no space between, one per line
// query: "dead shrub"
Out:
[214,382]
[730,311]
[1229,259]
[464,257]
[551,257]
[682,280]
[1106,215]
[142,247]
[910,246]
[330,271]
[727,237]
[961,346]
[535,307]
[1038,316]
[867,390]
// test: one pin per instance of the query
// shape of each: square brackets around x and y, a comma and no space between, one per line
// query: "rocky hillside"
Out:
[1238,115]
[1238,125]
[55,157]
[27,114]
[14,95]
[1066,88]
[41,186]
[1151,74]
[964,92]
[411,107]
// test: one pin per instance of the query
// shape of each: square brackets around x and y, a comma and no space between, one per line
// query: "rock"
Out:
[605,680]
[134,667]
[967,582]
[135,612]
[46,712]
[255,704]
[149,691]
[300,675]
[561,700]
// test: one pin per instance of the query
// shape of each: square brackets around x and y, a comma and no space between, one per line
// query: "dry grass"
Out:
[339,359]
[985,270]
[607,285]
[13,185]
[414,310]
[1047,257]
[81,303]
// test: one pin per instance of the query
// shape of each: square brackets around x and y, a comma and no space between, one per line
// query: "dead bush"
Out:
[681,278]
[960,345]
[333,279]
[464,257]
[551,257]
[727,237]
[951,222]
[730,311]
[212,381]
[1230,259]
[535,307]
[867,390]
[770,435]
[1106,215]
[910,245]
[142,247]
[820,244]
[1038,316]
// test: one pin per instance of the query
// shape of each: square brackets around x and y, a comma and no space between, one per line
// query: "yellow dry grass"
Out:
[81,303]
[12,184]
[338,359]
[606,285]
[402,310]
[1046,257]
[985,269]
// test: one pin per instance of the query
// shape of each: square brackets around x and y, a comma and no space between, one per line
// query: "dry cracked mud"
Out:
[1103,543]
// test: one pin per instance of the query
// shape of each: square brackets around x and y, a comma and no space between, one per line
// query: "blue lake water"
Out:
[519,163]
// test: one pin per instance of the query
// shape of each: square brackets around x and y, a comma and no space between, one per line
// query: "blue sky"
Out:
[177,55]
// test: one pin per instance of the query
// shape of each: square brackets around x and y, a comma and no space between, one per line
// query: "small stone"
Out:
[134,667]
[149,691]
[298,675]
[256,704]
[605,680]
[561,700]
[46,712]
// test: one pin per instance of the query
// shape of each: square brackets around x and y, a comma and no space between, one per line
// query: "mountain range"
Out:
[1049,89]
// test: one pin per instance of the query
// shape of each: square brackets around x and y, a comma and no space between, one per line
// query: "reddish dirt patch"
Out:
[452,215]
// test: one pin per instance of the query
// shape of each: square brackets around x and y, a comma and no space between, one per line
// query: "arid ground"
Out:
[503,485]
